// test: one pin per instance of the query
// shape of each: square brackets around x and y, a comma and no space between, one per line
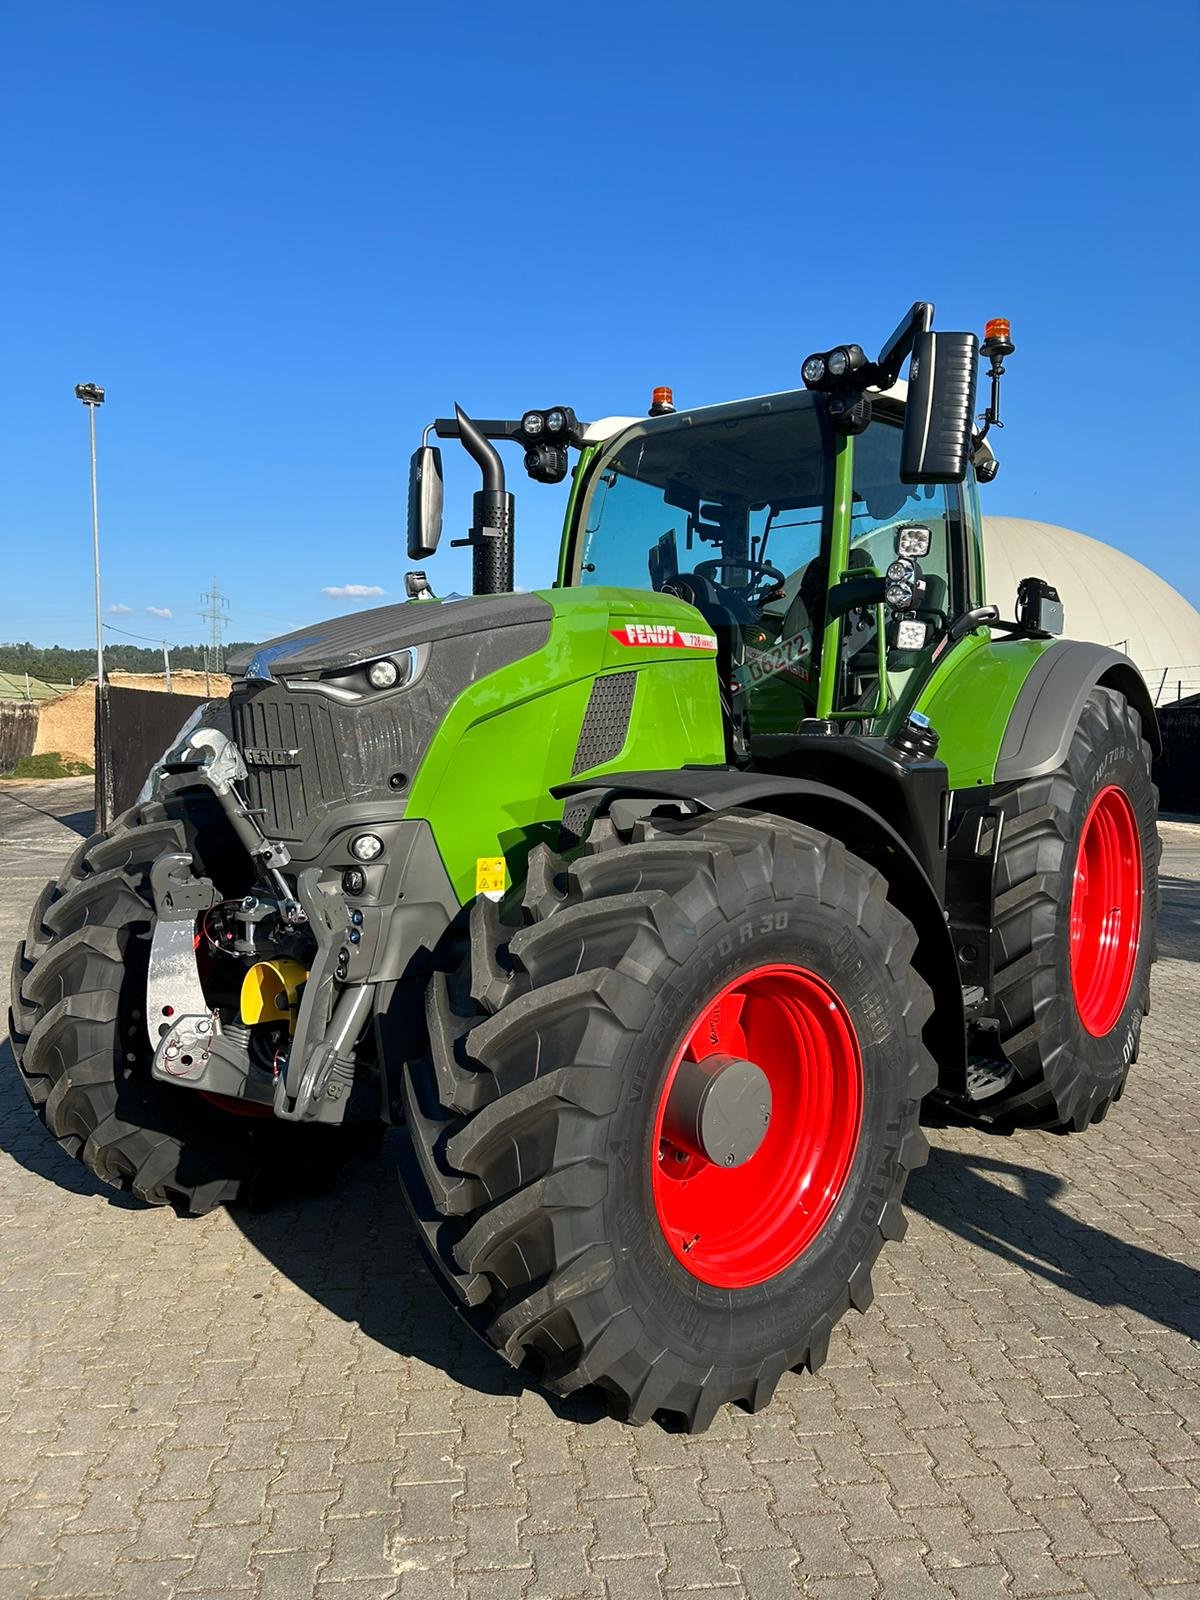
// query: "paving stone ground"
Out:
[278,1407]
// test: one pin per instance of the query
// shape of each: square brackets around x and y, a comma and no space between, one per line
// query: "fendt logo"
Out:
[662,636]
[261,756]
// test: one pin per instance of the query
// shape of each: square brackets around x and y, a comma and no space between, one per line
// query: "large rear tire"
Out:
[79,1037]
[1076,906]
[538,1163]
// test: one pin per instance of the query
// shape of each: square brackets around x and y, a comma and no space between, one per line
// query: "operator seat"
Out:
[725,614]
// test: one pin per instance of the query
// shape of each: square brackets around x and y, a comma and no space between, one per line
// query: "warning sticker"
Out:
[661,636]
[490,876]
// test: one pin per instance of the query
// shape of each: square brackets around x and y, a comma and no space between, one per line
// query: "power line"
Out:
[144,637]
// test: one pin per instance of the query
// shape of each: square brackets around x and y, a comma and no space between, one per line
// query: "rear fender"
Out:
[628,796]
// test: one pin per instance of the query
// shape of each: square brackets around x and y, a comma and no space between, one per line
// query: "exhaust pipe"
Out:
[491,532]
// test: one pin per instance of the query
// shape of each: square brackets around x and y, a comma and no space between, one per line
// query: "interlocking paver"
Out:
[279,1407]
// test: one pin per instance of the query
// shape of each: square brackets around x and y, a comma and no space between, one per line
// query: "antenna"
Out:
[213,615]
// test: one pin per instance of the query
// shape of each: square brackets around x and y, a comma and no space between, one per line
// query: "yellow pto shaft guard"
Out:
[271,992]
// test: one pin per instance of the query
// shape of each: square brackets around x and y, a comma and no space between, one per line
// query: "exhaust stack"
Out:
[491,532]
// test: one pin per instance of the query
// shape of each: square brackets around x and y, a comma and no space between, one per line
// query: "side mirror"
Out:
[939,417]
[424,502]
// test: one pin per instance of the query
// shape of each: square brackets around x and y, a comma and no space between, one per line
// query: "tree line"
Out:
[54,664]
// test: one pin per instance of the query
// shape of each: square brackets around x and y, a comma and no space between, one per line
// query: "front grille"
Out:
[342,754]
[269,725]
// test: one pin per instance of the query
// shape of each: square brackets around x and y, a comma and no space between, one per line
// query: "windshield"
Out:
[727,495]
[727,511]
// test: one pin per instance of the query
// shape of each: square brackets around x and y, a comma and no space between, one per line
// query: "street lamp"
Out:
[92,396]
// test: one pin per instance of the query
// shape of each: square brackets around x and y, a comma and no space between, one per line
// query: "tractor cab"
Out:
[731,508]
[829,536]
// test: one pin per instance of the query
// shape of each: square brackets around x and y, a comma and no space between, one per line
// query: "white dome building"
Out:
[1107,597]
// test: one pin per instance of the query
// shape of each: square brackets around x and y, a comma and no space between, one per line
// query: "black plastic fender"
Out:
[1046,713]
[861,829]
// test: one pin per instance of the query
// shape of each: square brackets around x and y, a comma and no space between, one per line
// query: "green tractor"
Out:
[650,907]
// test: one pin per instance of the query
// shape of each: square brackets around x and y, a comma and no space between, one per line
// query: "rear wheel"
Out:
[79,1036]
[663,1129]
[1076,904]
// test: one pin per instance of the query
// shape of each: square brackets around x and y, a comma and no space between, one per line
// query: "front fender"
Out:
[1046,711]
[842,816]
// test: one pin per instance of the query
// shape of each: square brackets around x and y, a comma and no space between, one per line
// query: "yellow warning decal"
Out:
[490,875]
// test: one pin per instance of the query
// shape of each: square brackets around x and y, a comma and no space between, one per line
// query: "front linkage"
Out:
[310,1071]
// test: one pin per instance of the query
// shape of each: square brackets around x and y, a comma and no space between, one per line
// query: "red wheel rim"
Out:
[737,1227]
[237,1108]
[1106,910]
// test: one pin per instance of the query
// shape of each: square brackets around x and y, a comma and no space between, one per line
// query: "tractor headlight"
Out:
[383,674]
[366,847]
[899,595]
[533,424]
[913,540]
[813,371]
[555,421]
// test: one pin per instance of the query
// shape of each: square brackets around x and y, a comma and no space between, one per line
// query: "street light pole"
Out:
[92,396]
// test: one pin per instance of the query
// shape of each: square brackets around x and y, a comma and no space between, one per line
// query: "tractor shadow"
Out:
[352,1247]
[1009,1209]
[355,1251]
[82,822]
[1179,920]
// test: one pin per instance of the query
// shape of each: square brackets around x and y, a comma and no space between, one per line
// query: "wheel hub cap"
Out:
[719,1110]
[757,1125]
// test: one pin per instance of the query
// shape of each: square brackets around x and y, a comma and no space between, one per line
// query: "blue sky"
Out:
[284,236]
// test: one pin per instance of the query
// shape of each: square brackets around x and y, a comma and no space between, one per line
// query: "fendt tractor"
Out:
[650,907]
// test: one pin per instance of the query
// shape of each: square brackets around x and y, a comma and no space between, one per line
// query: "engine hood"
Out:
[344,641]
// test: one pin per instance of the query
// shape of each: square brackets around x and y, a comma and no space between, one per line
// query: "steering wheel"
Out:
[758,570]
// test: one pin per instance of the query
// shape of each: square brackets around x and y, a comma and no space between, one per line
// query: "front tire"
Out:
[79,1037]
[536,1122]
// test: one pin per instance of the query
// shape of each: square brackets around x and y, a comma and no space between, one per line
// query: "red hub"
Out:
[1106,910]
[737,1225]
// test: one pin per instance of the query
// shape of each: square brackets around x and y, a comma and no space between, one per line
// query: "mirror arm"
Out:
[489,427]
[886,370]
[853,592]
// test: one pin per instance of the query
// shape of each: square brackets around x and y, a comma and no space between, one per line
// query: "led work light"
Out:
[913,540]
[367,847]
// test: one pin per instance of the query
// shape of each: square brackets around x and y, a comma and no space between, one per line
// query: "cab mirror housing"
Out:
[424,502]
[939,417]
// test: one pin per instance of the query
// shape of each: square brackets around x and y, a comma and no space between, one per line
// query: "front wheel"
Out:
[664,1128]
[78,1032]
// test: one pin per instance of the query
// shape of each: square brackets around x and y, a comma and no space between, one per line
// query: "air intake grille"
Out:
[605,722]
